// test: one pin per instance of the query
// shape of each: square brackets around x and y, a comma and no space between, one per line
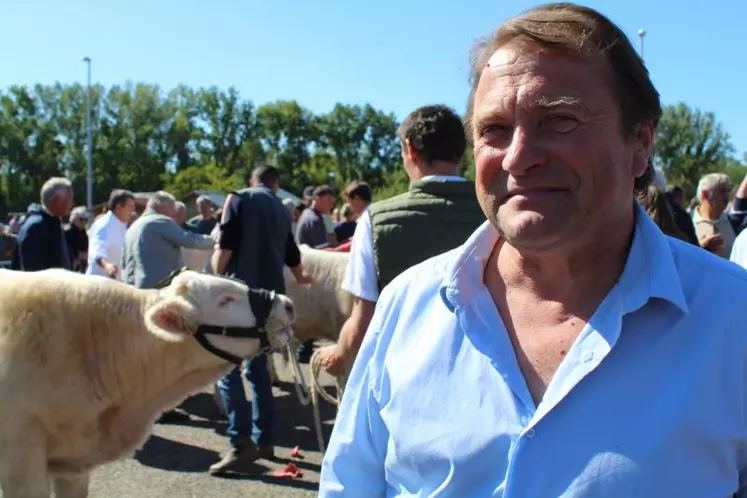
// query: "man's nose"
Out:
[524,152]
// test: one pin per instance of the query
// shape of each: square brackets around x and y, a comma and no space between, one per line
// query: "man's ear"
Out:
[171,319]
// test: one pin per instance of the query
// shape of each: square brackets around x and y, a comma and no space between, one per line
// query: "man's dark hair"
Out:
[265,175]
[119,197]
[322,190]
[435,132]
[359,189]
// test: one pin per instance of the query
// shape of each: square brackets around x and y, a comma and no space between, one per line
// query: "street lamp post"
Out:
[641,34]
[89,142]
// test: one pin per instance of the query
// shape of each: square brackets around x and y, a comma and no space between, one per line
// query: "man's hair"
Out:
[265,175]
[53,187]
[435,132]
[583,31]
[202,199]
[79,213]
[359,189]
[712,181]
[322,190]
[159,199]
[675,190]
[119,197]
[180,206]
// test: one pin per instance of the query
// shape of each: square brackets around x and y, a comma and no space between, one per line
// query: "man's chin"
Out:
[533,231]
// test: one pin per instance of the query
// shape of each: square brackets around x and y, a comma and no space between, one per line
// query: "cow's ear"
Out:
[170,319]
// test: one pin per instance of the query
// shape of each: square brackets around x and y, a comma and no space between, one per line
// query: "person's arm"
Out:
[353,464]
[293,261]
[740,198]
[35,250]
[183,238]
[99,248]
[230,234]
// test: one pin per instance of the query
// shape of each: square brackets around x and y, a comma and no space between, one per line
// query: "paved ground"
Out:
[174,460]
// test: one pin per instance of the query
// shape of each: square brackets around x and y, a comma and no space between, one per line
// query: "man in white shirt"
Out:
[106,236]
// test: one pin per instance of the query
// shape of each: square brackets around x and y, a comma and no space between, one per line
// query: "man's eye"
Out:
[562,123]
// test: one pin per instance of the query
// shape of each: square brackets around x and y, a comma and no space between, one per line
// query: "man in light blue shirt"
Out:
[568,348]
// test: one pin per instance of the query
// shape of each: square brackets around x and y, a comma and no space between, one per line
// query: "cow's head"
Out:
[189,301]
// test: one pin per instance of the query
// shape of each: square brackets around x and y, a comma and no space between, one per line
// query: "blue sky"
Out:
[396,55]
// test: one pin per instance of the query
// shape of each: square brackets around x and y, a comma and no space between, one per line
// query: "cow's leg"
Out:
[71,485]
[23,464]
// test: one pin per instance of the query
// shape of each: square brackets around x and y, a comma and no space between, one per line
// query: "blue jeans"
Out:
[237,407]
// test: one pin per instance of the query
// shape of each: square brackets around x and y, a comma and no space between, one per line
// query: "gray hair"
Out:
[711,182]
[53,187]
[160,198]
[180,206]
[78,213]
[202,199]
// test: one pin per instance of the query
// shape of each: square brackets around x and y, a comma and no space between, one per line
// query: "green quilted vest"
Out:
[431,218]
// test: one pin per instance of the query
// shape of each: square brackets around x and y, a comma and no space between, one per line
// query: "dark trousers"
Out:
[231,388]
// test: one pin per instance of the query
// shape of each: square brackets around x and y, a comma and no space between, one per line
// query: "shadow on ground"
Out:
[294,426]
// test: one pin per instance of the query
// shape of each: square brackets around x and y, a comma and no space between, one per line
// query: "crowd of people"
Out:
[557,327]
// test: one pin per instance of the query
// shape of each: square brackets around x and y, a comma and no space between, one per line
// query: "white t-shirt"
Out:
[360,276]
[739,250]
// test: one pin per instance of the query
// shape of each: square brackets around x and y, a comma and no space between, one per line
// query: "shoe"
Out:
[172,417]
[240,457]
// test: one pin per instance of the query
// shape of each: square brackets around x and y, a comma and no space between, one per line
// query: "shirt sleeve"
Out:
[99,243]
[292,253]
[360,276]
[230,225]
[183,238]
[354,463]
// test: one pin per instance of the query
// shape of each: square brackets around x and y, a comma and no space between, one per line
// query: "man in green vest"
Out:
[437,214]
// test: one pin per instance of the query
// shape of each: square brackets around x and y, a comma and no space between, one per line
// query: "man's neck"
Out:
[707,212]
[438,168]
[584,273]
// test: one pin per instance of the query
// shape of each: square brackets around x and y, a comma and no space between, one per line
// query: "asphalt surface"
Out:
[174,461]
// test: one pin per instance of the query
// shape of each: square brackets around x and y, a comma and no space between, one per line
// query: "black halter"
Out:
[260,301]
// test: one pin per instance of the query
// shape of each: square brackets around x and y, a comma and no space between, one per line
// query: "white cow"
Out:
[87,364]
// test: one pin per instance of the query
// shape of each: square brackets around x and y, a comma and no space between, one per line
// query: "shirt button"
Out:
[530,434]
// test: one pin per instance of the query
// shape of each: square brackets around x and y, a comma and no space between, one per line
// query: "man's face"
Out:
[325,203]
[180,216]
[357,205]
[124,212]
[718,200]
[205,209]
[552,164]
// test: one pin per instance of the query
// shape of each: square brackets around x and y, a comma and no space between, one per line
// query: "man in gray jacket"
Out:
[153,244]
[153,249]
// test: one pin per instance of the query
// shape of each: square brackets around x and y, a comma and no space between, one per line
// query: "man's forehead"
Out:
[538,78]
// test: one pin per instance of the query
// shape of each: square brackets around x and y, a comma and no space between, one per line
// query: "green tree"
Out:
[690,143]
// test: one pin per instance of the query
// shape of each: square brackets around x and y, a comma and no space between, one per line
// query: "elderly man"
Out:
[567,348]
[204,222]
[106,237]
[716,227]
[153,243]
[41,242]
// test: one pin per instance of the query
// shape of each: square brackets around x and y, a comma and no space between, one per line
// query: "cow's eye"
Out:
[226,300]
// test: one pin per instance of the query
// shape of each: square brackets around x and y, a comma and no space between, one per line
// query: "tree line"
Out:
[185,139]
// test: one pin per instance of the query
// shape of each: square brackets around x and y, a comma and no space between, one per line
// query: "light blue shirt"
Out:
[650,401]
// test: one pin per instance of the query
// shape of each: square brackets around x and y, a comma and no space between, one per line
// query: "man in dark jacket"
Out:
[41,242]
[255,245]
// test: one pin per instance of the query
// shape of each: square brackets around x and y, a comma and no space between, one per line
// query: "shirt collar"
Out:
[113,219]
[650,270]
[443,178]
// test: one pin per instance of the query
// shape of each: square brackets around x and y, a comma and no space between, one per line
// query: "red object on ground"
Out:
[290,471]
[295,452]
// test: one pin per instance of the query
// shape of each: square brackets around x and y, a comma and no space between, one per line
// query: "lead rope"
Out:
[302,389]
